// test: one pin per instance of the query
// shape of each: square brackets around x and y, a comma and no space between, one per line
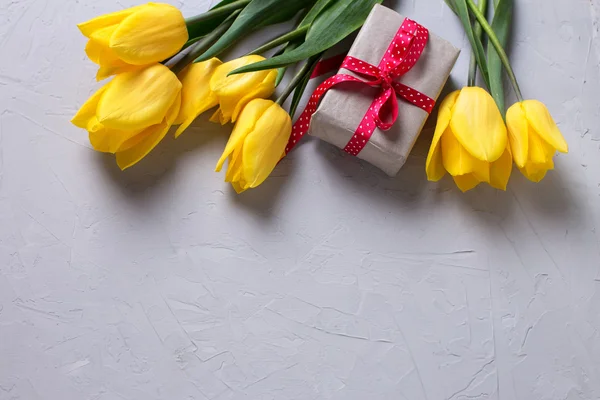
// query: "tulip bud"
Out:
[256,144]
[235,91]
[125,40]
[470,141]
[534,138]
[196,95]
[131,114]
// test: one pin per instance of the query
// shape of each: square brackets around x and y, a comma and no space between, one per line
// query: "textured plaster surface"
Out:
[331,281]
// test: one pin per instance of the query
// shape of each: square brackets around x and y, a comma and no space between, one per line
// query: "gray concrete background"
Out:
[331,281]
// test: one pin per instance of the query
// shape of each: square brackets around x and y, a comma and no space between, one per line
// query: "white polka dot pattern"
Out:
[400,57]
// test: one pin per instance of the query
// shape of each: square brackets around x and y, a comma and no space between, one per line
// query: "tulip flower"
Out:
[125,40]
[256,144]
[131,114]
[196,95]
[235,91]
[533,135]
[534,138]
[470,141]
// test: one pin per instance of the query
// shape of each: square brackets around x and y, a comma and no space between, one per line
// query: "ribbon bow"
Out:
[401,56]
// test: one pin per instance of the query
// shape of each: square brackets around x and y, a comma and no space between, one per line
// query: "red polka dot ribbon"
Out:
[402,54]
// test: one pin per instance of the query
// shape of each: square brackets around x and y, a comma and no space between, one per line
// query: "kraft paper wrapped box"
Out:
[343,107]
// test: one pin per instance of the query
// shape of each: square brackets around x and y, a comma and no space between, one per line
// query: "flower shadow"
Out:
[264,200]
[548,200]
[157,169]
[203,139]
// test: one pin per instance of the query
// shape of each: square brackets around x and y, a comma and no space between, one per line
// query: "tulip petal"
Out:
[102,21]
[262,91]
[196,96]
[98,52]
[93,51]
[534,175]
[102,36]
[132,142]
[434,165]
[109,63]
[150,35]
[478,124]
[88,110]
[139,99]
[108,71]
[220,79]
[537,172]
[109,140]
[235,169]
[248,118]
[466,182]
[218,117]
[151,137]
[518,132]
[500,170]
[206,105]
[94,126]
[457,159]
[539,150]
[235,91]
[264,145]
[239,187]
[541,121]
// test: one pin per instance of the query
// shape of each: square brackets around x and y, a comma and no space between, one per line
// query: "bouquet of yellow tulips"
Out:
[475,141]
[166,71]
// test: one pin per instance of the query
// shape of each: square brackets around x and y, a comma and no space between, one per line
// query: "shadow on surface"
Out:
[393,4]
[161,163]
[157,169]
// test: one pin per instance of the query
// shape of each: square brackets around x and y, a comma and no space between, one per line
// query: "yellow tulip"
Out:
[196,96]
[534,138]
[132,113]
[235,91]
[256,144]
[125,40]
[470,141]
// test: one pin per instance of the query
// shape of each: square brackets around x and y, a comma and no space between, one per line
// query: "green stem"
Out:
[191,42]
[313,61]
[496,43]
[288,37]
[189,54]
[477,31]
[217,12]
[306,68]
[281,71]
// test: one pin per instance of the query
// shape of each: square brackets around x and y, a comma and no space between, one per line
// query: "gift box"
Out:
[343,107]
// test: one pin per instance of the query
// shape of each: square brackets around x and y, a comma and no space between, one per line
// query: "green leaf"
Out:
[482,5]
[501,26]
[222,3]
[285,14]
[281,71]
[252,18]
[292,36]
[450,4]
[314,12]
[204,27]
[331,26]
[299,91]
[463,13]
